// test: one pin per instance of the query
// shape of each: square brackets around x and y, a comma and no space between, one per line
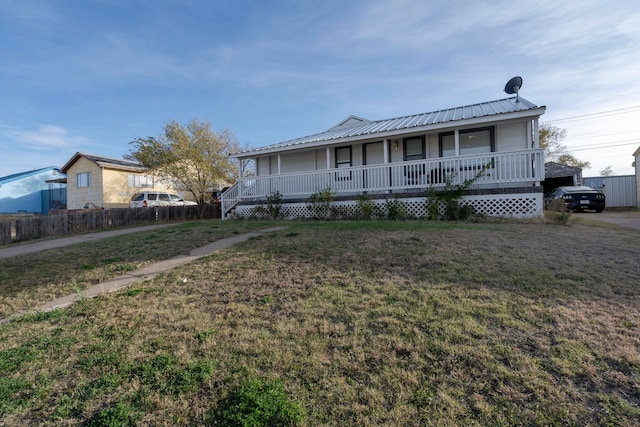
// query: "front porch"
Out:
[503,184]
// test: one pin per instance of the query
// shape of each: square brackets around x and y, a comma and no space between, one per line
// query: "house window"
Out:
[83,180]
[414,148]
[476,141]
[140,181]
[343,157]
[472,141]
[343,160]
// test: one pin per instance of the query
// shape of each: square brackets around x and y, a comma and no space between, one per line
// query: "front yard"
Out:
[345,323]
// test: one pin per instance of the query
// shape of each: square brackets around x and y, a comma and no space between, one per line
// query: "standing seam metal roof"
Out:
[103,161]
[20,175]
[490,108]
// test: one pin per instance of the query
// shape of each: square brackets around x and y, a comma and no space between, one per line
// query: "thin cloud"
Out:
[48,137]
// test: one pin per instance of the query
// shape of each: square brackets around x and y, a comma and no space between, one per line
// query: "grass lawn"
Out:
[335,323]
[32,280]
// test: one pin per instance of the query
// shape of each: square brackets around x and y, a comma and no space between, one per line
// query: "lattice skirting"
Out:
[524,205]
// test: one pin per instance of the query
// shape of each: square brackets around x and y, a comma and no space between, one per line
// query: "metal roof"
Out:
[21,175]
[554,170]
[103,161]
[370,128]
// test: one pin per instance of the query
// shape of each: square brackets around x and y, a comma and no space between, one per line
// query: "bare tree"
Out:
[551,138]
[608,171]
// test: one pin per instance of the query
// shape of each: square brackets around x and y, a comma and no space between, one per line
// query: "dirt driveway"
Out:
[629,219]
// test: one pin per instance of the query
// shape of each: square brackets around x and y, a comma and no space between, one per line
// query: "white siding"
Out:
[433,146]
[396,153]
[298,162]
[511,137]
[262,166]
[321,158]
[356,155]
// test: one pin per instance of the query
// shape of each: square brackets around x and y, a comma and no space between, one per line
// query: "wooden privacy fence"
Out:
[75,222]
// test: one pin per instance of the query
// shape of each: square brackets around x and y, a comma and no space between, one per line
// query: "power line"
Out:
[604,146]
[597,115]
[573,138]
[599,144]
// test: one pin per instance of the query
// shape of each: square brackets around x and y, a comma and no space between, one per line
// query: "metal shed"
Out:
[557,175]
[619,190]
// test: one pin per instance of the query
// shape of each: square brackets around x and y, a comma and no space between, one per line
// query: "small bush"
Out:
[396,209]
[456,211]
[450,197]
[274,205]
[320,206]
[258,403]
[556,212]
[432,206]
[366,206]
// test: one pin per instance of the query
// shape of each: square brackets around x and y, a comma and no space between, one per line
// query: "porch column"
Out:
[279,164]
[328,158]
[535,134]
[240,162]
[456,139]
[385,145]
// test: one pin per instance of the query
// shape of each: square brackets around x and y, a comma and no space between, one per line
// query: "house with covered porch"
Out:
[494,145]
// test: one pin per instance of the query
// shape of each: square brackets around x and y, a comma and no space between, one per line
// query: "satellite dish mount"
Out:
[513,86]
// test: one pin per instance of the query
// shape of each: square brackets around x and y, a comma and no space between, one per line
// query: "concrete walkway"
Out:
[145,273]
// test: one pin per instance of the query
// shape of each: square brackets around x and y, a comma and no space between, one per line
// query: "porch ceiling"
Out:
[470,114]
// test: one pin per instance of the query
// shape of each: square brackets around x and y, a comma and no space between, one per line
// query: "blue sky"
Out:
[90,76]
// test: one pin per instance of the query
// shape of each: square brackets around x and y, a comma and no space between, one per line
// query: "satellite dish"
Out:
[513,86]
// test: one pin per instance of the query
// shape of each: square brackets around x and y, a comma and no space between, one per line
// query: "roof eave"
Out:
[70,163]
[106,165]
[99,163]
[533,113]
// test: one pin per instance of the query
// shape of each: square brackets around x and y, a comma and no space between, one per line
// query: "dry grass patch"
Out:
[31,280]
[357,323]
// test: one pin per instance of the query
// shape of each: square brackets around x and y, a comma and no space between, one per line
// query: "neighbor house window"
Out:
[140,181]
[343,160]
[472,141]
[414,148]
[83,179]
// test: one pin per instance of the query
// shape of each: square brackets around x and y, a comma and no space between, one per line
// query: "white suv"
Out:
[149,199]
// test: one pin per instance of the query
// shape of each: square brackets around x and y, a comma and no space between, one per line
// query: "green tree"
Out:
[192,156]
[551,138]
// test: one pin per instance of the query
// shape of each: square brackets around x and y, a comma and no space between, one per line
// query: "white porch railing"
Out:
[524,167]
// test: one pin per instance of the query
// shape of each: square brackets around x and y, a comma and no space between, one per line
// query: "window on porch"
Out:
[472,141]
[414,148]
[343,160]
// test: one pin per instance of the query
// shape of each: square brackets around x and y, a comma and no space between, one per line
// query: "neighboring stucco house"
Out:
[404,158]
[106,182]
[28,192]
